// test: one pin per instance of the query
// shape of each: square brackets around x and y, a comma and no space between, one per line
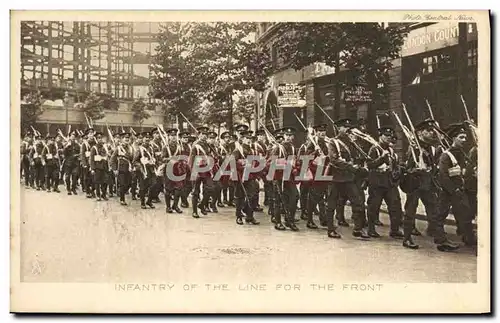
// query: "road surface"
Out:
[75,239]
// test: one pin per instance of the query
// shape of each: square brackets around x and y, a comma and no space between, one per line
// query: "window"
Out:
[472,56]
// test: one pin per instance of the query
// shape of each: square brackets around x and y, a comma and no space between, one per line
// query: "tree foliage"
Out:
[206,64]
[31,109]
[245,106]
[174,80]
[139,111]
[93,106]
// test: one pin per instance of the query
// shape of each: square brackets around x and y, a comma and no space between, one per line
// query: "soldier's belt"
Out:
[99,158]
[87,154]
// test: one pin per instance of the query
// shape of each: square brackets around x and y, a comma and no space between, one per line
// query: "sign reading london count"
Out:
[291,95]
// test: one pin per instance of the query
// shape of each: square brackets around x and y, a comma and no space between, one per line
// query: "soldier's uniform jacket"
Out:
[240,154]
[35,154]
[260,148]
[452,169]
[99,157]
[200,148]
[121,160]
[157,146]
[71,153]
[342,156]
[283,151]
[144,156]
[423,179]
[471,171]
[50,154]
[320,157]
[170,150]
[381,169]
[25,149]
[85,152]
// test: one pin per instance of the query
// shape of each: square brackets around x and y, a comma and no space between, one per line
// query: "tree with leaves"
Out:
[173,75]
[245,106]
[93,107]
[31,109]
[230,61]
[366,49]
[139,111]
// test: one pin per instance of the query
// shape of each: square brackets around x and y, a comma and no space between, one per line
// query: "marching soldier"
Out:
[136,141]
[71,163]
[383,168]
[231,146]
[99,167]
[157,146]
[226,148]
[246,188]
[172,188]
[305,185]
[26,146]
[121,163]
[212,143]
[37,163]
[86,146]
[111,179]
[286,189]
[50,155]
[318,189]
[145,170]
[343,169]
[471,181]
[452,168]
[260,149]
[186,141]
[419,182]
[199,154]
[274,203]
[262,142]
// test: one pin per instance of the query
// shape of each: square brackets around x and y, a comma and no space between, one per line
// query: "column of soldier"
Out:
[436,171]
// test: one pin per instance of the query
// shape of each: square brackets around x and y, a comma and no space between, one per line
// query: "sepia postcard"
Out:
[250,162]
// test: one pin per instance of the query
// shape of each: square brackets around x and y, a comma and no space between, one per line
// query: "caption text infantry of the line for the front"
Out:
[247,287]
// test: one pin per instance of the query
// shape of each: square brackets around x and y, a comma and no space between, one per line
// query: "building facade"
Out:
[438,65]
[65,61]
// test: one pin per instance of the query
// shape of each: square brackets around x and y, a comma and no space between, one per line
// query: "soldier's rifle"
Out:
[417,143]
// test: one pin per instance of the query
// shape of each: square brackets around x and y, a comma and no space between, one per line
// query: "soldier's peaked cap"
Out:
[124,134]
[455,129]
[184,133]
[202,129]
[346,122]
[320,127]
[261,131]
[246,133]
[172,131]
[225,134]
[241,127]
[212,134]
[387,130]
[426,124]
[89,130]
[289,130]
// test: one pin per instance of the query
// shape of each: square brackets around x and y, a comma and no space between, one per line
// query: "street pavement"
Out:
[75,239]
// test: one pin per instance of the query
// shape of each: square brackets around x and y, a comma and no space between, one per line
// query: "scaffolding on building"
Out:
[80,57]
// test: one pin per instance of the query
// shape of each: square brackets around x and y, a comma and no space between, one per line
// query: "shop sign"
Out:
[358,94]
[432,37]
[291,95]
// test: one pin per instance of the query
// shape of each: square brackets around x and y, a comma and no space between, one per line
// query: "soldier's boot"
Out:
[175,206]
[98,194]
[250,219]
[149,202]
[213,206]
[104,191]
[194,202]
[410,244]
[184,201]
[239,211]
[168,203]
